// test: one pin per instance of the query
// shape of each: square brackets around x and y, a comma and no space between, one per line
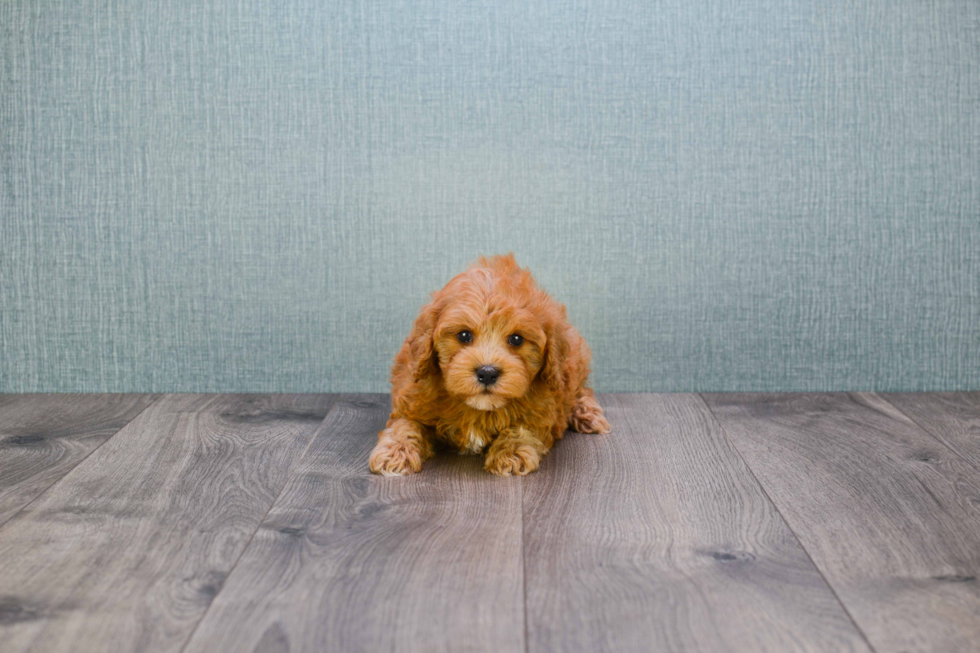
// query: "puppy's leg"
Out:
[587,415]
[516,451]
[401,449]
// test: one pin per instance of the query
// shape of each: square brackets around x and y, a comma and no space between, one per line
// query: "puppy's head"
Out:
[490,335]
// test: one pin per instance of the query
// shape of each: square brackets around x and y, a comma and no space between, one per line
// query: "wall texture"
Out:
[258,195]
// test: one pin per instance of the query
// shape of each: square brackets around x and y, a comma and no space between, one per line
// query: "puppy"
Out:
[491,366]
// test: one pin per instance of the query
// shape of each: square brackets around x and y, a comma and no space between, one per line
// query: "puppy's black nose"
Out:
[487,375]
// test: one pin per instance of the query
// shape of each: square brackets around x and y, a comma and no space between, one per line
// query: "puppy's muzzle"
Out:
[487,375]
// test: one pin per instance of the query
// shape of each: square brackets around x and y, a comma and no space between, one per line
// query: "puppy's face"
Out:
[489,350]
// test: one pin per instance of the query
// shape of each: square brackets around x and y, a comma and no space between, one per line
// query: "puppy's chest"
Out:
[473,442]
[469,436]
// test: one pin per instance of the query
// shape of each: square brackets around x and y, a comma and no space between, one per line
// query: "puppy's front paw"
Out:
[401,449]
[512,459]
[395,458]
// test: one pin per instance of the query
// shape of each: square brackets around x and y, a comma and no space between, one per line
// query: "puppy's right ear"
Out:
[422,343]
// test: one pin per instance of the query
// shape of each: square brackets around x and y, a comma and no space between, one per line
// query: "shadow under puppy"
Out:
[491,365]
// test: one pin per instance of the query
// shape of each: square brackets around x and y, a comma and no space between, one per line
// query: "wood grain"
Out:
[658,538]
[349,561]
[43,436]
[127,551]
[951,417]
[889,514]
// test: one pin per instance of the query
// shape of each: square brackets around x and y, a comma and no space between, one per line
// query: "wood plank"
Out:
[349,561]
[889,514]
[657,537]
[43,437]
[127,551]
[951,417]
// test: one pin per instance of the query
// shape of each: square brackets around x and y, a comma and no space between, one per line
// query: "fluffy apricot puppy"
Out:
[491,366]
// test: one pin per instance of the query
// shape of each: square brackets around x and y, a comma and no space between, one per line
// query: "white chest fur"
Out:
[475,442]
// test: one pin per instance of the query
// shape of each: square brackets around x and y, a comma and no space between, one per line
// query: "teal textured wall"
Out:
[259,195]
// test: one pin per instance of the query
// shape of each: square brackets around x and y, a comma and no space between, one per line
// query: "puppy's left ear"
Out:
[422,344]
[556,353]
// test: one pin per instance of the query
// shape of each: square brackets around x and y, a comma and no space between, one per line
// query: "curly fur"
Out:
[541,390]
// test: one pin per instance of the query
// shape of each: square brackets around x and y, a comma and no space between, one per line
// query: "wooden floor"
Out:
[730,522]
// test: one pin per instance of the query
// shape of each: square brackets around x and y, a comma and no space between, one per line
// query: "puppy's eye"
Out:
[464,336]
[515,340]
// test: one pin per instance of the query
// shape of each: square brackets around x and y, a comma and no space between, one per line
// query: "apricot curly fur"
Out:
[541,390]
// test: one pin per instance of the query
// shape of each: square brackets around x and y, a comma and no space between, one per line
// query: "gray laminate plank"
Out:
[348,561]
[43,436]
[889,514]
[952,417]
[127,551]
[658,538]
